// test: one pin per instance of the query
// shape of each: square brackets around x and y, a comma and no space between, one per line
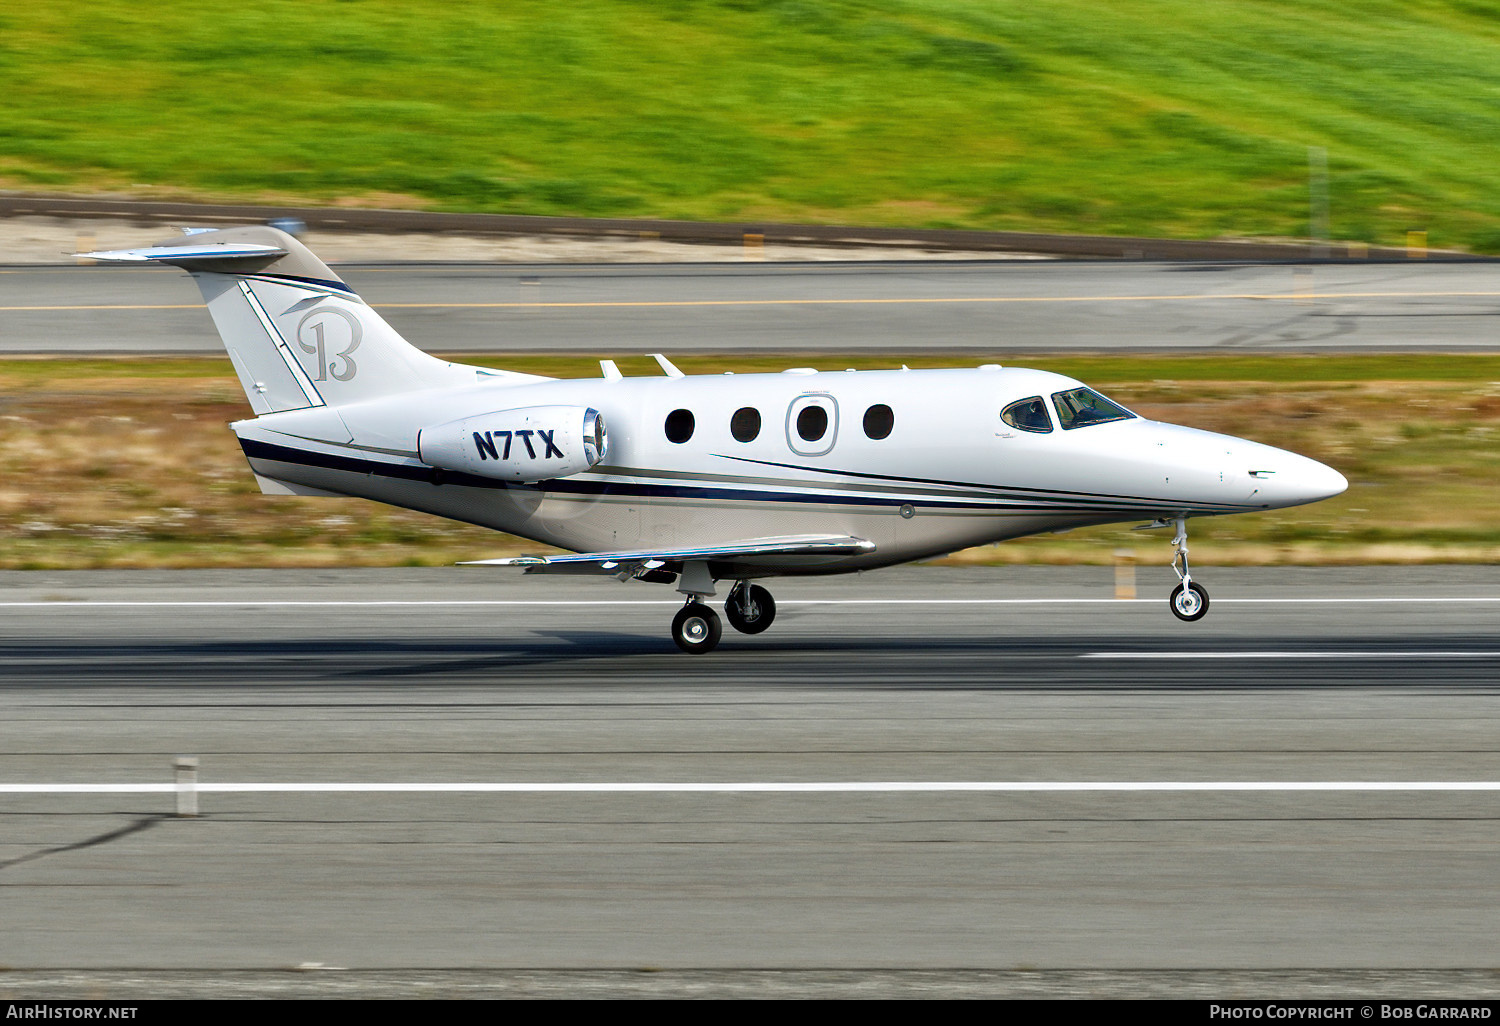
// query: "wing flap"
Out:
[788,550]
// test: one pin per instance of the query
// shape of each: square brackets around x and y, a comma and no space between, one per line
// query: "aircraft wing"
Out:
[771,553]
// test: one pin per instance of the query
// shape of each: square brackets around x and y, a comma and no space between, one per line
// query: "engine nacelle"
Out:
[529,444]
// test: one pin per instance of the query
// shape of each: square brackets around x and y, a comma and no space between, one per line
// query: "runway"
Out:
[911,677]
[990,307]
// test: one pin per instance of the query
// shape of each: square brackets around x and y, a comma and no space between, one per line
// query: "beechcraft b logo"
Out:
[495,445]
[317,335]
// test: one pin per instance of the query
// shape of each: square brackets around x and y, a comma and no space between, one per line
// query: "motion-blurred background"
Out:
[1373,123]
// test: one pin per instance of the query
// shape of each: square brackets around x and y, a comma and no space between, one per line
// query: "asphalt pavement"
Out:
[1299,685]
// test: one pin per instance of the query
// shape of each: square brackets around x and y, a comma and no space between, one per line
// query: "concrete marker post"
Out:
[1124,574]
[186,767]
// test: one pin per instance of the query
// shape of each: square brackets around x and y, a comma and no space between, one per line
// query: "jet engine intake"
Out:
[530,444]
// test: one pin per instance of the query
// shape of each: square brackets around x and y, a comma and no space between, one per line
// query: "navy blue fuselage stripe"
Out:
[332,461]
[301,280]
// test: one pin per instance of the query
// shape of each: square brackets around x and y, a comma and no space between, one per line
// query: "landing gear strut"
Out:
[749,608]
[696,628]
[1189,601]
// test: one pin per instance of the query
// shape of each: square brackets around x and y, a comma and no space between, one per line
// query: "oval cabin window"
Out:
[812,423]
[679,426]
[879,419]
[745,424]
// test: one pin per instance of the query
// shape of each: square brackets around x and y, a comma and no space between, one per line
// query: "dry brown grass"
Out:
[131,464]
[123,473]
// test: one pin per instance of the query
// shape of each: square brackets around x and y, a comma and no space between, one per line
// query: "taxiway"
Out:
[987,307]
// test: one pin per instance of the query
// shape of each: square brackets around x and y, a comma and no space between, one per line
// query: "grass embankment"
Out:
[127,463]
[1162,118]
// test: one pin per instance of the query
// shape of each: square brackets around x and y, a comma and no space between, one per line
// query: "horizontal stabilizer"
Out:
[190,253]
[799,548]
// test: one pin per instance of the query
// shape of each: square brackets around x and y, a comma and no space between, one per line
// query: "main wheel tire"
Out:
[762,611]
[1190,603]
[696,629]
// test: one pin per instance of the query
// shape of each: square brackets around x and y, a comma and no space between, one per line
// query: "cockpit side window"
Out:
[1028,415]
[1083,407]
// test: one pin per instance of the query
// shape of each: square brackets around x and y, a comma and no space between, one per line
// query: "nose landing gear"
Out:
[1189,601]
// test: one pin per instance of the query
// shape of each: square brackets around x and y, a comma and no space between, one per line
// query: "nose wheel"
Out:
[1189,601]
[696,628]
[749,608]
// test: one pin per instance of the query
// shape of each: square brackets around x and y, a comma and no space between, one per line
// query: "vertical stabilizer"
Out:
[297,335]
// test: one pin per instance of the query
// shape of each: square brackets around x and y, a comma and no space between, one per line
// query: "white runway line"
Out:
[60,604]
[770,787]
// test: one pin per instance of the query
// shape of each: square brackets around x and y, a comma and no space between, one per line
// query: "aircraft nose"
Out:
[1297,480]
[1324,482]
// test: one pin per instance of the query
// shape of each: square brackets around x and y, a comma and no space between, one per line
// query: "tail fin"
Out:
[297,335]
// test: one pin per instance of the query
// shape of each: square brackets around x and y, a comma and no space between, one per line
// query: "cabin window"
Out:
[1083,407]
[812,423]
[879,419]
[1028,415]
[745,424]
[679,426]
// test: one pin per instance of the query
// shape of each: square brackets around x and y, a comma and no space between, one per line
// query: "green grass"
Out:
[1171,118]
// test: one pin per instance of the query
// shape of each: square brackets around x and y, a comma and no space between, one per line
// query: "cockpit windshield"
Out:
[1028,415]
[1083,407]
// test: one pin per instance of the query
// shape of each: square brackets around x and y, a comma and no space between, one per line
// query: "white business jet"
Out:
[701,479]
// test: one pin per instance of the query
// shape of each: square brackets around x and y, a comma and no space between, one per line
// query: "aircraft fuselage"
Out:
[919,462]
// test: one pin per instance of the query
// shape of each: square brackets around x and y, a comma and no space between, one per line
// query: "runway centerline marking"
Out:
[873,301]
[763,787]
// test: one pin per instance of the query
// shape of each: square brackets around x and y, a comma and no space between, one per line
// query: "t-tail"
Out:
[298,336]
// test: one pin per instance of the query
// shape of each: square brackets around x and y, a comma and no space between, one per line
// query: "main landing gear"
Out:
[1189,601]
[750,608]
[696,628]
